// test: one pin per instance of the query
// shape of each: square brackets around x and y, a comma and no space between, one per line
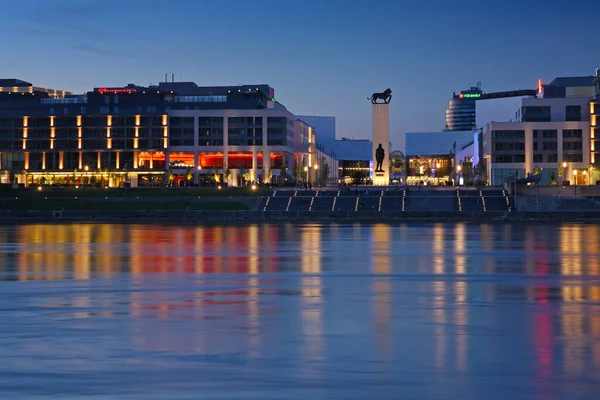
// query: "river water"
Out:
[290,311]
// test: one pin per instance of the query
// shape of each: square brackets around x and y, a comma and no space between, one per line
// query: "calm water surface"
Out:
[296,311]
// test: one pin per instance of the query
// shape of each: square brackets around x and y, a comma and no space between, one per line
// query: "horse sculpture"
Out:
[385,96]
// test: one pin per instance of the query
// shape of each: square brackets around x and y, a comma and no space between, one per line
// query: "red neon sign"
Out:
[117,90]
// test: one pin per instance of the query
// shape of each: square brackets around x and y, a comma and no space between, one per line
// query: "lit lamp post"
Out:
[564,171]
[575,180]
[306,175]
[316,168]
[459,169]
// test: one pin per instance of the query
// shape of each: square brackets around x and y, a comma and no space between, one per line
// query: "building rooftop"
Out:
[435,143]
[13,82]
[573,81]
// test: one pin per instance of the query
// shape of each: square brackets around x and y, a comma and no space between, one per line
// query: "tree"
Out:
[358,177]
[324,172]
[188,173]
[296,170]
[537,170]
[553,178]
[282,178]
[482,171]
[560,171]
[244,176]
[467,172]
[268,176]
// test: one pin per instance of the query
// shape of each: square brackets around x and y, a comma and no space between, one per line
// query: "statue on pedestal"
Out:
[379,156]
[385,96]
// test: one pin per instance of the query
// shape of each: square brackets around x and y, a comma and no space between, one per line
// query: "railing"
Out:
[66,100]
[196,99]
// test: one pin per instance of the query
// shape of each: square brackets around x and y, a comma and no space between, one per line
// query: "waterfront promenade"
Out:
[246,204]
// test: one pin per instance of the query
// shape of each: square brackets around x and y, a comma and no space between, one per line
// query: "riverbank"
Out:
[135,216]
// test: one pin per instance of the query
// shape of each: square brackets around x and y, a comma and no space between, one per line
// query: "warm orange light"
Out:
[107,132]
[165,131]
[25,121]
[137,120]
[52,121]
[540,86]
[165,143]
[592,108]
[593,120]
[26,160]
[79,144]
[44,160]
[164,120]
[135,143]
[109,120]
[24,133]
[51,143]
[52,132]
[79,132]
[137,131]
[79,120]
[61,160]
[24,144]
[109,143]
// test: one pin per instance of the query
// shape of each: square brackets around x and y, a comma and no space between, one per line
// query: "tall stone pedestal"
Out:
[381,135]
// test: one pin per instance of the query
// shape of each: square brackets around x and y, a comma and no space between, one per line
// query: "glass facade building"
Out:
[135,134]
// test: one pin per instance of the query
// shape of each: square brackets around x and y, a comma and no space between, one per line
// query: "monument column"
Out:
[381,140]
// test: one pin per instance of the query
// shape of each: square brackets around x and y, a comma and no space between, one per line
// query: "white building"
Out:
[549,133]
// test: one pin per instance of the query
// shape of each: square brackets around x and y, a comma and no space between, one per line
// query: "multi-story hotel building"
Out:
[136,134]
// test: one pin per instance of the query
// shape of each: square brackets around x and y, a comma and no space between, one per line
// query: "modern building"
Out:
[460,114]
[578,86]
[550,136]
[139,135]
[17,86]
[354,156]
[431,156]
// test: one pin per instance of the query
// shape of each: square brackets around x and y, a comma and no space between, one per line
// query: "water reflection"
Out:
[458,299]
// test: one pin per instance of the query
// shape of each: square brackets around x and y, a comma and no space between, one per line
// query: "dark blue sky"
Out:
[322,55]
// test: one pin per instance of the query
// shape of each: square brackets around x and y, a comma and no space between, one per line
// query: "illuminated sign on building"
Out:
[115,90]
[470,95]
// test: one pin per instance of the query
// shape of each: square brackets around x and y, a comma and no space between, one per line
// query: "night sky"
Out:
[326,56]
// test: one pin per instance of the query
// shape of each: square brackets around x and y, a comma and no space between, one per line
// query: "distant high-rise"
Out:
[460,114]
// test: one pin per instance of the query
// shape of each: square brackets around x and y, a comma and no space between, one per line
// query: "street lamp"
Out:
[459,169]
[575,180]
